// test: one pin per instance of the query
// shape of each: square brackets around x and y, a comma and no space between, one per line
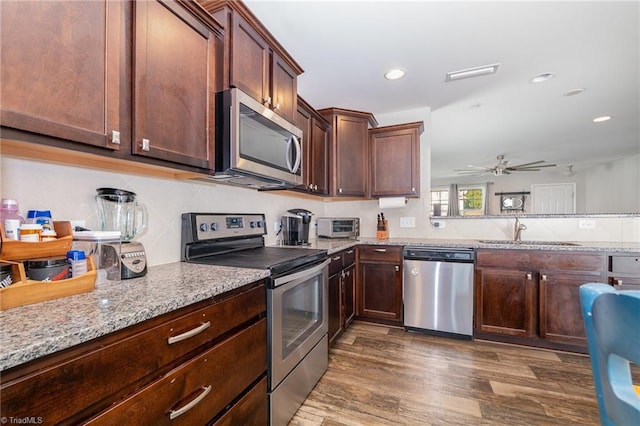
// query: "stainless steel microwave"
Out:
[338,227]
[254,146]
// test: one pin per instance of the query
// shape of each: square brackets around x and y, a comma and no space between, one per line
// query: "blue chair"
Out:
[612,323]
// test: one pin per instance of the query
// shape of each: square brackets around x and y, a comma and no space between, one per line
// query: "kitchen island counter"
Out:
[33,331]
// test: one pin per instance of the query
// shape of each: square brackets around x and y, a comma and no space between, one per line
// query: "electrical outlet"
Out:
[408,222]
[586,224]
[438,223]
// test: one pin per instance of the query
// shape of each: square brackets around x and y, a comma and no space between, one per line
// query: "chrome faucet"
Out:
[517,230]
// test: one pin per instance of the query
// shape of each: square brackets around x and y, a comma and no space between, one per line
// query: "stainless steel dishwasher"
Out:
[438,290]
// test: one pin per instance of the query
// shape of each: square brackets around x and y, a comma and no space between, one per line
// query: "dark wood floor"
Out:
[385,376]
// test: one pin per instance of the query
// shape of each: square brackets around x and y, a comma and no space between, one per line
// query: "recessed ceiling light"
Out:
[541,78]
[472,72]
[395,74]
[574,92]
[602,119]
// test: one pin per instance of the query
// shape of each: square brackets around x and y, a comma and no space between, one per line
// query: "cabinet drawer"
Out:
[195,392]
[380,253]
[250,410]
[348,257]
[103,372]
[335,265]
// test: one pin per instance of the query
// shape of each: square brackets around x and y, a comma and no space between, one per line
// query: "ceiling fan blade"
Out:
[479,167]
[531,167]
[527,164]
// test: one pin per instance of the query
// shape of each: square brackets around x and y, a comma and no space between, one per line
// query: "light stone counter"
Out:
[32,331]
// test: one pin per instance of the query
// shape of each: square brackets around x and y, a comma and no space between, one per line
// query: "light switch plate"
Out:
[408,222]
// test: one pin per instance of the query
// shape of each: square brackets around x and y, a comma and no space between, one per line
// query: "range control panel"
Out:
[214,226]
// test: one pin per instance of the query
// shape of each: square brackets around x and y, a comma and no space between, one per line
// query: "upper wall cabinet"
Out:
[138,78]
[255,62]
[61,70]
[395,160]
[174,84]
[349,151]
[315,142]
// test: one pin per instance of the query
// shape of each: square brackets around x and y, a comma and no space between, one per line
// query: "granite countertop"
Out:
[32,331]
[336,245]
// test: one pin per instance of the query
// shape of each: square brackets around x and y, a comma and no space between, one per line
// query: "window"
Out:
[470,200]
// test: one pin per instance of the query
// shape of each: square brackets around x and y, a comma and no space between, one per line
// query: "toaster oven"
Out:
[338,227]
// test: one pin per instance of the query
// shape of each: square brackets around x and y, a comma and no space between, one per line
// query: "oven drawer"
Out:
[199,389]
[380,253]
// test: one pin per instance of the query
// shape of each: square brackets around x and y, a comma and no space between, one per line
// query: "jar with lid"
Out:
[9,210]
[30,232]
[47,269]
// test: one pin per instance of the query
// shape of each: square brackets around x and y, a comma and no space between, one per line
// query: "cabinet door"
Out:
[303,122]
[380,291]
[350,156]
[335,319]
[61,66]
[395,161]
[284,88]
[560,312]
[319,159]
[174,85]
[505,302]
[349,295]
[249,69]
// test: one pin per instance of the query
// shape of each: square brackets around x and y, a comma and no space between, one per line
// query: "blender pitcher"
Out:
[118,210]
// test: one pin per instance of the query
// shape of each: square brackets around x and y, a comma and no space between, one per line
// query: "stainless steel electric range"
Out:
[297,296]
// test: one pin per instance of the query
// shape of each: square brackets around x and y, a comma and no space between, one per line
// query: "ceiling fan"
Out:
[502,168]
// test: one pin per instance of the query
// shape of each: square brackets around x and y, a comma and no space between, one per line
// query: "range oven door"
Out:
[298,311]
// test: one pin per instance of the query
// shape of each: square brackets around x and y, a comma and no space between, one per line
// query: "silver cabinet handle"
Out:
[184,336]
[397,268]
[529,276]
[617,282]
[348,273]
[177,413]
[336,258]
[380,250]
[544,277]
[350,252]
[146,144]
[115,137]
[277,107]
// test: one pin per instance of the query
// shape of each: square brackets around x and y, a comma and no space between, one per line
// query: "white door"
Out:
[554,198]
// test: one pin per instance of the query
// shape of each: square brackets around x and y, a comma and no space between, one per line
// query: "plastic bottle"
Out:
[77,262]
[9,210]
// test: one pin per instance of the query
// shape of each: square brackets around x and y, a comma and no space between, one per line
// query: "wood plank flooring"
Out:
[382,375]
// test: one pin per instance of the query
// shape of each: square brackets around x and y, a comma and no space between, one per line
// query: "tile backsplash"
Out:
[69,191]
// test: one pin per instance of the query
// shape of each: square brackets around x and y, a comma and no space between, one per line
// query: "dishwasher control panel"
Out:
[444,254]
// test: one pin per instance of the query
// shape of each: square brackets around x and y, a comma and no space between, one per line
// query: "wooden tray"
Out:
[22,250]
[26,292]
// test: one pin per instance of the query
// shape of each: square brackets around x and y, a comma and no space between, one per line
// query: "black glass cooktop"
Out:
[279,260]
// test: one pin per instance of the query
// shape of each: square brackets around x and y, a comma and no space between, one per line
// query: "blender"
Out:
[118,210]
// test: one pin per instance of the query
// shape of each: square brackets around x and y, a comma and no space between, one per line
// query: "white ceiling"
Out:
[345,47]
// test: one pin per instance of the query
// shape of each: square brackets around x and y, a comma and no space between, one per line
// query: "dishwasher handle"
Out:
[440,255]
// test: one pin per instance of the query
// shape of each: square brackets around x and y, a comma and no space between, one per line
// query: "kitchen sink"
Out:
[529,243]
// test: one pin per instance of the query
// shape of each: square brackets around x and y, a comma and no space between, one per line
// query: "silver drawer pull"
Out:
[380,250]
[188,334]
[336,258]
[350,252]
[177,413]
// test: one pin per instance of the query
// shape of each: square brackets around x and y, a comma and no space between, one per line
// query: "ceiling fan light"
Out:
[472,72]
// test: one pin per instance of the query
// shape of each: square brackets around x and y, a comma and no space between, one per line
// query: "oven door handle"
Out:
[307,272]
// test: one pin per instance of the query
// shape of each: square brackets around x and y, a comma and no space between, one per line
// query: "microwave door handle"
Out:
[293,141]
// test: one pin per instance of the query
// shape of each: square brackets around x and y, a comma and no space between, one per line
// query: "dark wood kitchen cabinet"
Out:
[137,78]
[211,356]
[174,84]
[379,284]
[395,160]
[349,151]
[341,292]
[62,69]
[315,142]
[255,62]
[531,297]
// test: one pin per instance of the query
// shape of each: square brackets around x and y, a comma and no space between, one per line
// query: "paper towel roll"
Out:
[392,202]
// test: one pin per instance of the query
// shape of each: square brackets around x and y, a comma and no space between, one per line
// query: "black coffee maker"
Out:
[295,227]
